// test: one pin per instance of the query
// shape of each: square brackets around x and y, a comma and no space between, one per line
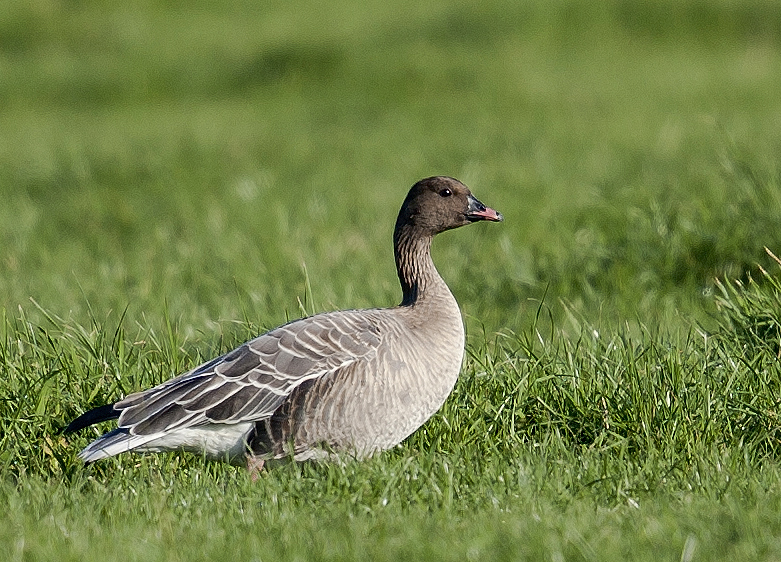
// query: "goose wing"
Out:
[250,382]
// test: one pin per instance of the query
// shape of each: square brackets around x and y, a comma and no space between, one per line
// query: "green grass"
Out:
[175,178]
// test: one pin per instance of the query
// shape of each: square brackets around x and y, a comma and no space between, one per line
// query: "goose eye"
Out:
[446,192]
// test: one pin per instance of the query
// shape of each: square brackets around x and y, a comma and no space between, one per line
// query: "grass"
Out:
[177,178]
[597,449]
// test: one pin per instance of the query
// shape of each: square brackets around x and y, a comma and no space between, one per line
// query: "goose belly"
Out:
[367,410]
[215,441]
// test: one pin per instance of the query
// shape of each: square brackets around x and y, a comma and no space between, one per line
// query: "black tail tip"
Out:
[96,415]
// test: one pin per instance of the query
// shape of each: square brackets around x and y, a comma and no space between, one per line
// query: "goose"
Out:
[352,382]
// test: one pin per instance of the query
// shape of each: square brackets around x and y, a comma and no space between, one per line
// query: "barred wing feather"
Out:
[252,381]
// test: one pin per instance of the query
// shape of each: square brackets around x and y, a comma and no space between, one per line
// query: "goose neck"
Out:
[417,274]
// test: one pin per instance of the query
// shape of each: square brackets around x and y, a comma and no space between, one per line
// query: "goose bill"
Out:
[479,212]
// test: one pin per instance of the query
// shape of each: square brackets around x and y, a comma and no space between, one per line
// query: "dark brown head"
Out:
[436,204]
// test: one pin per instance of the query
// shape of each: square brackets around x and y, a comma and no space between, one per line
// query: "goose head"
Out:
[439,203]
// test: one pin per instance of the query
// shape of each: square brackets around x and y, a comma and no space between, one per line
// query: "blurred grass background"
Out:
[201,154]
[176,176]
